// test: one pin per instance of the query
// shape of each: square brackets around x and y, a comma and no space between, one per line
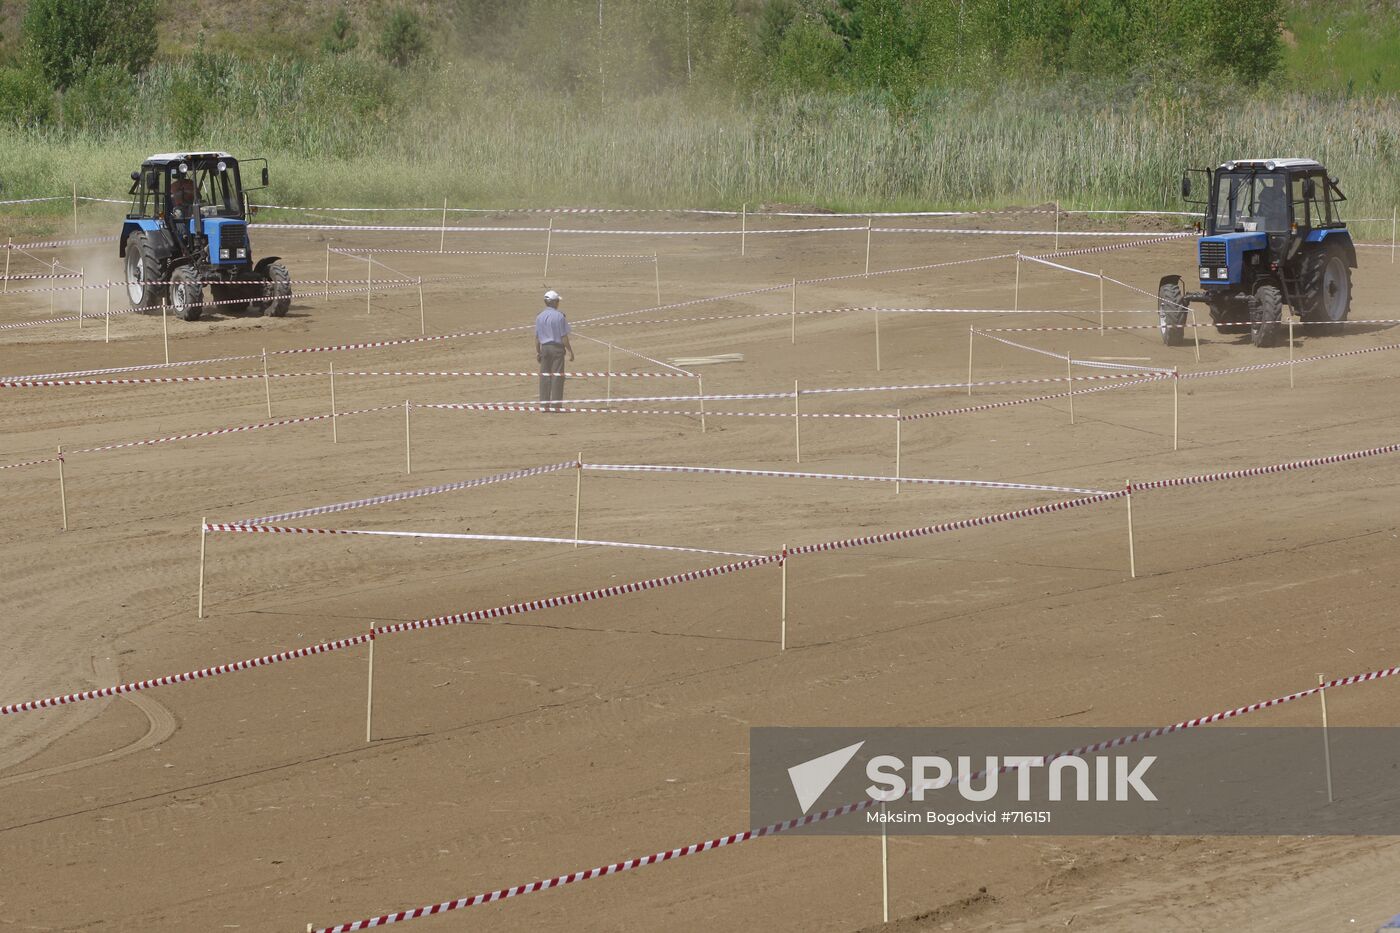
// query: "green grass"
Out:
[1348,46]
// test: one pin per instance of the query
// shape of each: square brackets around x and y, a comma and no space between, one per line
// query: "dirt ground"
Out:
[582,735]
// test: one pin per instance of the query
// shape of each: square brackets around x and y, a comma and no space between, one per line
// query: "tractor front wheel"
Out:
[186,294]
[1264,317]
[277,293]
[142,274]
[1171,315]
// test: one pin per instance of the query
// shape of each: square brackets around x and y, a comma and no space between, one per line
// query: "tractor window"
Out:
[1252,202]
[218,192]
[1319,205]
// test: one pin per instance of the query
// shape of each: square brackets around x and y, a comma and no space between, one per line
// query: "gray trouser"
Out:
[551,374]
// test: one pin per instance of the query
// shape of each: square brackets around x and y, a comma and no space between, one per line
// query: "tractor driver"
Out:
[181,196]
[1272,209]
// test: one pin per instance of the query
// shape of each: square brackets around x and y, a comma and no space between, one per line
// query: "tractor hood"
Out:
[1222,257]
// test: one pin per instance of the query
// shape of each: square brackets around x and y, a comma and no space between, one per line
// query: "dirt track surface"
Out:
[578,736]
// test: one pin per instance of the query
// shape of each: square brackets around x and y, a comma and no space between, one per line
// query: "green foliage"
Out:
[403,38]
[103,98]
[67,37]
[25,98]
[340,35]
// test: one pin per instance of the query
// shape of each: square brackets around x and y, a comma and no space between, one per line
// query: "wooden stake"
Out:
[369,283]
[796,421]
[744,231]
[10,248]
[1195,333]
[62,489]
[1132,557]
[267,383]
[164,328]
[442,240]
[107,315]
[877,340]
[1017,297]
[656,267]
[53,271]
[82,294]
[782,605]
[422,315]
[1290,351]
[75,208]
[1392,239]
[700,380]
[898,444]
[203,535]
[1326,739]
[610,348]
[548,244]
[328,270]
[407,441]
[1069,370]
[794,311]
[867,246]
[578,494]
[1100,302]
[335,436]
[884,866]
[969,360]
[1057,226]
[1176,406]
[369,692]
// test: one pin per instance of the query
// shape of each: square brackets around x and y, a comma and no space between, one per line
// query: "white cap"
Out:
[551,295]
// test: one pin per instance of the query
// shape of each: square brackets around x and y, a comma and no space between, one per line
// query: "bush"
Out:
[67,37]
[404,39]
[102,99]
[340,38]
[25,98]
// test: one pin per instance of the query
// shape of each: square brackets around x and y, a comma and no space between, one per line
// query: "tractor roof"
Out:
[164,158]
[1269,165]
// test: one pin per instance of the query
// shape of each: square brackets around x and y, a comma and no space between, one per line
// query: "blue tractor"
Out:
[187,227]
[1273,236]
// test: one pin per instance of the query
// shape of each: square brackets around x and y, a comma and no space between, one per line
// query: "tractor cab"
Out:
[1273,236]
[187,226]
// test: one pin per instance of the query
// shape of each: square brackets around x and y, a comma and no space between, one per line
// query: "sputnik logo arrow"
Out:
[811,778]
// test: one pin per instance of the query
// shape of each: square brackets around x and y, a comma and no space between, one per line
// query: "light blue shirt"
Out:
[551,326]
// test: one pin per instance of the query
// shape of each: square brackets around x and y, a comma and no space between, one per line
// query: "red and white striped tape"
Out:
[1011,403]
[1266,470]
[412,493]
[524,407]
[460,536]
[15,383]
[632,257]
[558,231]
[728,471]
[1145,235]
[773,829]
[1094,364]
[1256,367]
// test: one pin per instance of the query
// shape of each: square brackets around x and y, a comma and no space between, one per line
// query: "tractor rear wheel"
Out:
[186,294]
[1265,317]
[1325,283]
[142,274]
[1171,318]
[278,290]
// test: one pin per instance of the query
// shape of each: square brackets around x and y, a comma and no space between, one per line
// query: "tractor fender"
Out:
[261,268]
[1340,237]
[144,224]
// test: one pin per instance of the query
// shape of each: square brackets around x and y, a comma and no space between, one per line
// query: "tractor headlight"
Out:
[223,254]
[1205,272]
[241,253]
[1222,273]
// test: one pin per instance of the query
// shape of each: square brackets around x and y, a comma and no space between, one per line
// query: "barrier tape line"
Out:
[412,493]
[14,383]
[728,471]
[1256,367]
[227,527]
[773,829]
[536,406]
[633,257]
[1010,403]
[1095,364]
[1266,470]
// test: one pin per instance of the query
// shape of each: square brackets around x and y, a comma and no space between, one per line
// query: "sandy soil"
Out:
[578,736]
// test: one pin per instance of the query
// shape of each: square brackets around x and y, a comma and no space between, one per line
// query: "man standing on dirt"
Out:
[551,342]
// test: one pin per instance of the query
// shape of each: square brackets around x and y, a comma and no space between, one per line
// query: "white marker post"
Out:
[1290,351]
[1392,237]
[422,315]
[610,348]
[656,267]
[1057,226]
[164,329]
[898,444]
[796,421]
[969,360]
[1176,405]
[1017,297]
[407,441]
[10,248]
[782,605]
[548,245]
[1101,303]
[369,283]
[1132,557]
[107,315]
[328,270]
[335,436]
[203,535]
[1069,372]
[53,277]
[62,489]
[794,311]
[75,208]
[700,382]
[867,246]
[1195,333]
[1326,740]
[369,692]
[82,294]
[267,383]
[744,231]
[578,493]
[877,340]
[442,240]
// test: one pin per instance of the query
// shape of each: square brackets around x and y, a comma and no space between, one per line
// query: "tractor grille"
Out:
[233,236]
[1212,253]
